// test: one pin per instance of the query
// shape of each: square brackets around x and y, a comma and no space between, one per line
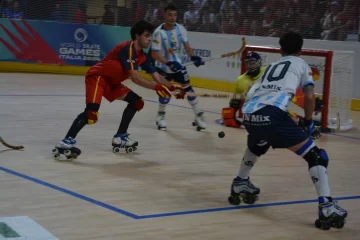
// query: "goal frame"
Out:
[327,54]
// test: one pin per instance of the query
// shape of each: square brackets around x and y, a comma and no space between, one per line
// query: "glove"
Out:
[235,103]
[179,92]
[197,61]
[307,125]
[174,66]
[319,104]
[162,91]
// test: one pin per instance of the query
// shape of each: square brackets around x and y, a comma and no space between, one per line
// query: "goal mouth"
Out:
[332,73]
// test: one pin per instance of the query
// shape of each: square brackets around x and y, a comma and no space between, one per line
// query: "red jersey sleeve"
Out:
[127,57]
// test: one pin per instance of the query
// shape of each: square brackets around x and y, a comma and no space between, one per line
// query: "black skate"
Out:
[243,189]
[330,215]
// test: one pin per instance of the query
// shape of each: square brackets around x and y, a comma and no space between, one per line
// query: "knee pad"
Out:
[91,114]
[135,101]
[164,100]
[316,156]
[259,148]
[190,89]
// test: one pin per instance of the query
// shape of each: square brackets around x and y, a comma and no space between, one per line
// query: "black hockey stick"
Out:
[10,146]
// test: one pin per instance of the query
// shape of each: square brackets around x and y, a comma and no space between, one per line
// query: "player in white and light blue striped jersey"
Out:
[169,42]
[270,125]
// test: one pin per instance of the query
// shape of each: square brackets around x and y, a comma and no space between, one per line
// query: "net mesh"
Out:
[314,19]
[341,82]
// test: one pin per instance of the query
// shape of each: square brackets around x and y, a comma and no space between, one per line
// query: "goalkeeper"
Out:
[254,71]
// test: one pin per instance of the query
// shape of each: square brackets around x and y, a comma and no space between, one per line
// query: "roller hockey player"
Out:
[254,71]
[268,124]
[105,80]
[170,40]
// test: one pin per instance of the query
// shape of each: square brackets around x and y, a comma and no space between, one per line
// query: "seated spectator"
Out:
[108,17]
[13,11]
[56,15]
[191,18]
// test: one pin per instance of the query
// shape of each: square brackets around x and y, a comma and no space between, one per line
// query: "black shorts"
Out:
[274,126]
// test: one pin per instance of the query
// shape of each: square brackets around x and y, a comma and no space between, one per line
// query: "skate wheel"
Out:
[249,199]
[234,200]
[55,151]
[67,153]
[129,150]
[194,124]
[339,224]
[116,149]
[57,157]
[322,225]
[198,128]
[161,128]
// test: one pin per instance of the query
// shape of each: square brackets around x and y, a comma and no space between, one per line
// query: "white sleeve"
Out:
[306,75]
[156,42]
[183,32]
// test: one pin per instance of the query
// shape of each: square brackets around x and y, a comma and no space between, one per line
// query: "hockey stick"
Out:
[208,95]
[10,146]
[229,54]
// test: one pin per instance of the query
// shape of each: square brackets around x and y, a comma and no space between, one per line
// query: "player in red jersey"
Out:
[105,80]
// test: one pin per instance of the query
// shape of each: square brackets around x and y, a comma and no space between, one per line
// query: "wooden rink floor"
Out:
[174,187]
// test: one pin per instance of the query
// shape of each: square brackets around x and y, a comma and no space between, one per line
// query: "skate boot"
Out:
[245,189]
[330,215]
[122,141]
[161,121]
[65,150]
[200,122]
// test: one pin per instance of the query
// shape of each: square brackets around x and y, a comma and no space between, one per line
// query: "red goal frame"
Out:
[327,54]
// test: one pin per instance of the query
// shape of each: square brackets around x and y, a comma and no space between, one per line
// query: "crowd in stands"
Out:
[315,19]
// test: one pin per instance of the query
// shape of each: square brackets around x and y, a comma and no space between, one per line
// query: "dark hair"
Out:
[291,42]
[170,7]
[140,27]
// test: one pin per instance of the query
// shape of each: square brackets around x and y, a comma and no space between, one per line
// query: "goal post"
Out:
[333,82]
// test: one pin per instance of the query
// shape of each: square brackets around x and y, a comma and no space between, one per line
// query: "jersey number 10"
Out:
[284,68]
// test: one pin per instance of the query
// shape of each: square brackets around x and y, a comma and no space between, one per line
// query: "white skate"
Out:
[65,150]
[330,215]
[122,141]
[161,121]
[200,122]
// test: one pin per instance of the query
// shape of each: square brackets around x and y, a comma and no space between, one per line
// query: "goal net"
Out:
[333,75]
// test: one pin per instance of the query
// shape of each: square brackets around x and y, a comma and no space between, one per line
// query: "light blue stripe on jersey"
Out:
[279,100]
[252,104]
[163,66]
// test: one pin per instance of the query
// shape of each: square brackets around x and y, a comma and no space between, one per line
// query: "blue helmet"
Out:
[253,63]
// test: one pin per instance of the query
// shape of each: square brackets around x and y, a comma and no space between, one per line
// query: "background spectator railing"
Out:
[315,19]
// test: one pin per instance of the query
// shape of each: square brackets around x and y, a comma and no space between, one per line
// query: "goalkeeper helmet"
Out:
[253,63]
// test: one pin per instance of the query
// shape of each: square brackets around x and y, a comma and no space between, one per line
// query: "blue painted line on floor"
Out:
[71,193]
[169,214]
[240,207]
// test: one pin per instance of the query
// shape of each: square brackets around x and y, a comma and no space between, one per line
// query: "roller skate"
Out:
[245,189]
[65,150]
[161,121]
[330,215]
[200,122]
[122,141]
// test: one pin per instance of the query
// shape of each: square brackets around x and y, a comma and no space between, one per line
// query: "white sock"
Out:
[194,105]
[247,163]
[319,177]
[162,107]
